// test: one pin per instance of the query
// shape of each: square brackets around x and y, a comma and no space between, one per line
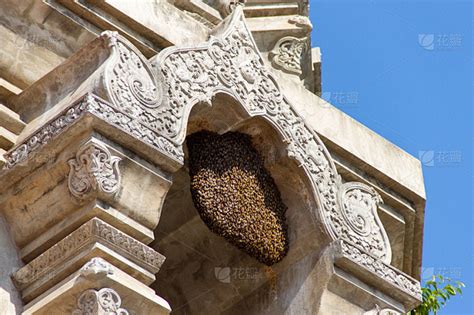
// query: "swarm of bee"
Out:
[236,196]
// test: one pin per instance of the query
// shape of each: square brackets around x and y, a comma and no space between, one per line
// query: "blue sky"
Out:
[404,69]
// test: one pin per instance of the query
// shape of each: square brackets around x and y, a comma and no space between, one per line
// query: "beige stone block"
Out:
[22,61]
[81,216]
[270,9]
[93,239]
[7,138]
[7,89]
[62,186]
[10,120]
[2,159]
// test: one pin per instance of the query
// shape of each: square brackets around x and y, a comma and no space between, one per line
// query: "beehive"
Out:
[236,196]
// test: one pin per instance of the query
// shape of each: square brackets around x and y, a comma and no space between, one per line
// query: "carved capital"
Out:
[93,169]
[99,302]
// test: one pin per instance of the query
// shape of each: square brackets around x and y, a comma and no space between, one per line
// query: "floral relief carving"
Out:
[99,302]
[381,269]
[131,83]
[91,104]
[93,169]
[94,230]
[288,54]
[231,63]
[358,204]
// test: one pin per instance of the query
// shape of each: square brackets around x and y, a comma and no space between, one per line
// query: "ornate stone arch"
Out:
[230,63]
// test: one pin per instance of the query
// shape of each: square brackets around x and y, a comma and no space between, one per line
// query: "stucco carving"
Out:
[228,63]
[92,105]
[98,302]
[231,63]
[379,311]
[301,21]
[358,204]
[288,54]
[225,7]
[93,169]
[97,267]
[382,270]
[129,79]
[94,230]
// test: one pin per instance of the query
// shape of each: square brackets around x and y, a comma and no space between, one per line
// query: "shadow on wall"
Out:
[10,300]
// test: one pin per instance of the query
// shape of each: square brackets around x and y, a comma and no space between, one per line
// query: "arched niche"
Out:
[205,274]
[227,74]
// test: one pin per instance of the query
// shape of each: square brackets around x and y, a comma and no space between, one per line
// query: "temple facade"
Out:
[176,157]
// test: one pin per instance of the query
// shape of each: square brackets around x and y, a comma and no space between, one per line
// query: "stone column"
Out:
[85,184]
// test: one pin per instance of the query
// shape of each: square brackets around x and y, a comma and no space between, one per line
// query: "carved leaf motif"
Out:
[231,63]
[288,54]
[358,204]
[130,81]
[103,301]
[94,168]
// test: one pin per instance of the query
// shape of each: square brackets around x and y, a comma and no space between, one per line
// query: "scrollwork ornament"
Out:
[230,63]
[129,79]
[288,54]
[358,204]
[98,302]
[93,169]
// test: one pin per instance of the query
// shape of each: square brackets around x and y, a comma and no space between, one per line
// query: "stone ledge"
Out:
[91,239]
[7,138]
[10,120]
[97,274]
[360,267]
[72,114]
[81,216]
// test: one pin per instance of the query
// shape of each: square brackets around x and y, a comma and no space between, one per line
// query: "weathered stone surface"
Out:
[64,298]
[100,139]
[93,239]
